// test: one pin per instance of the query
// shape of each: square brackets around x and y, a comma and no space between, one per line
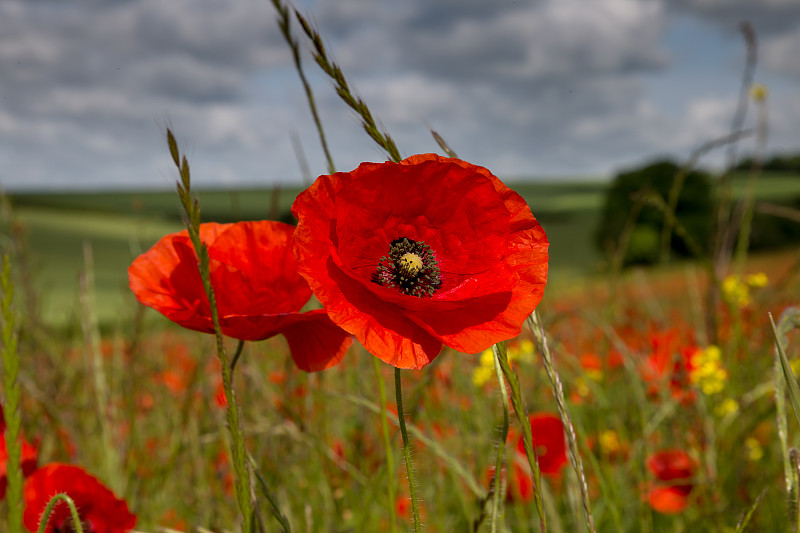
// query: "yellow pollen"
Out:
[410,264]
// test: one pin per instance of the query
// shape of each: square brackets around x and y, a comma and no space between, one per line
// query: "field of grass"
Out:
[120,225]
[139,402]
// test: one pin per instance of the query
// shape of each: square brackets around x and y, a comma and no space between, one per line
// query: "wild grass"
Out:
[627,360]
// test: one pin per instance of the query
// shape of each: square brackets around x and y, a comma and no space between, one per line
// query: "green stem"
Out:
[239,460]
[387,444]
[285,26]
[273,502]
[398,389]
[561,404]
[499,485]
[76,518]
[501,357]
[10,367]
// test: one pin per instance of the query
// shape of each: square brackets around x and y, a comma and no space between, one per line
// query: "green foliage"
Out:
[776,163]
[624,211]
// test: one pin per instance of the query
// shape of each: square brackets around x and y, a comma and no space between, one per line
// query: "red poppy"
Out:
[258,290]
[413,255]
[547,431]
[99,510]
[674,470]
[27,462]
[27,459]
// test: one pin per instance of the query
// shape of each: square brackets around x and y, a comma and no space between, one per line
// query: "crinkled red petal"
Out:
[257,287]
[491,250]
[96,504]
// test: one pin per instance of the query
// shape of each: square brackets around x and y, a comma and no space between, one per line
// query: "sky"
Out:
[531,89]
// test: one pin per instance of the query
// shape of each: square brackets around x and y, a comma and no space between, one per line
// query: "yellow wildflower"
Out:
[759,92]
[726,407]
[609,442]
[754,449]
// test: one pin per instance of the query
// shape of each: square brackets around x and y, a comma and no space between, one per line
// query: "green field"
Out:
[117,226]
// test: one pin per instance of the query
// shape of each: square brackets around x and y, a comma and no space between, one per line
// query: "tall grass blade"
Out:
[527,438]
[10,367]
[191,210]
[741,526]
[387,444]
[499,484]
[561,403]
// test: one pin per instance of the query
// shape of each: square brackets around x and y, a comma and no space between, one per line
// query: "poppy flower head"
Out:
[28,462]
[258,289]
[673,469]
[547,431]
[415,255]
[100,511]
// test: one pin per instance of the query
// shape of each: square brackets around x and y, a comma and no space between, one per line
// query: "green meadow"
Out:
[61,228]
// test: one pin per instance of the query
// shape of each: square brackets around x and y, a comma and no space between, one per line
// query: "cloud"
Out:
[526,88]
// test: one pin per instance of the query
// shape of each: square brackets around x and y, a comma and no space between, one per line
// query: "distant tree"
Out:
[693,211]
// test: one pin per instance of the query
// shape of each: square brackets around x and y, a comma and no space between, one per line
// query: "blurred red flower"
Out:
[99,510]
[27,459]
[27,462]
[677,468]
[413,255]
[258,290]
[548,441]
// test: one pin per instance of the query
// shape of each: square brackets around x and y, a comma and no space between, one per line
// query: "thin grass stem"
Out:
[345,93]
[527,437]
[561,403]
[499,492]
[11,388]
[192,213]
[398,389]
[387,444]
[286,30]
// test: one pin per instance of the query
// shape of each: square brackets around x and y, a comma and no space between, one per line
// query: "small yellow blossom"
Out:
[754,449]
[736,291]
[757,280]
[795,364]
[581,388]
[523,351]
[595,374]
[609,442]
[482,375]
[759,92]
[726,407]
[708,373]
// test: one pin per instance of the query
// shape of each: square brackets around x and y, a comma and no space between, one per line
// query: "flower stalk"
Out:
[73,510]
[558,391]
[387,444]
[239,459]
[527,437]
[406,450]
[10,367]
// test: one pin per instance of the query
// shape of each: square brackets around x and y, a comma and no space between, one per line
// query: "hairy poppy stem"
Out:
[10,368]
[62,497]
[387,444]
[401,419]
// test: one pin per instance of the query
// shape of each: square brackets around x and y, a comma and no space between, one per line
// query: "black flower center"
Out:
[411,267]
